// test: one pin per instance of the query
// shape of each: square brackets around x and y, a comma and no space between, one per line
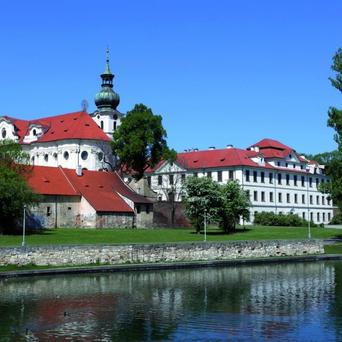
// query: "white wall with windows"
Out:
[280,190]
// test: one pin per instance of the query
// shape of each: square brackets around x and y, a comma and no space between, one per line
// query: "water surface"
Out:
[287,302]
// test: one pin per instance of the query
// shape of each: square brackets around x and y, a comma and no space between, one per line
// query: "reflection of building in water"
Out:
[288,289]
[156,302]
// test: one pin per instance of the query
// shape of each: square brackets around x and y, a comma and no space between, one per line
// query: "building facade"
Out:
[73,167]
[276,178]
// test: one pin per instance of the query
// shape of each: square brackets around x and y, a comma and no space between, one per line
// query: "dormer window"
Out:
[34,132]
[3,133]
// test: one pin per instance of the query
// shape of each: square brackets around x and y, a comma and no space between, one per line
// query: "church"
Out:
[73,166]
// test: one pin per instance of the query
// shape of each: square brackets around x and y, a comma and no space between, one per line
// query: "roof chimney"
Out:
[211,147]
[79,170]
[229,146]
[256,148]
[196,149]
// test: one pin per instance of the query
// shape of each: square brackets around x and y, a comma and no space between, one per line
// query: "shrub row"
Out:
[287,220]
[337,219]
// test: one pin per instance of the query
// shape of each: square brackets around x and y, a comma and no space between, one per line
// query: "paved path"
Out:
[336,226]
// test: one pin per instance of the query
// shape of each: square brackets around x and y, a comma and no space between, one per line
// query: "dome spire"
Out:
[107,62]
[107,99]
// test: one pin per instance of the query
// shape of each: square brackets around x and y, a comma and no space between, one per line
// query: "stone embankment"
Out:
[154,253]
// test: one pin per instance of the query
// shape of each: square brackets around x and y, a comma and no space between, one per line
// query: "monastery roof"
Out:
[77,125]
[231,157]
[103,190]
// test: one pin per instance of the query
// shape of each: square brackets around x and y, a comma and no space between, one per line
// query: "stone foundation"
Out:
[154,253]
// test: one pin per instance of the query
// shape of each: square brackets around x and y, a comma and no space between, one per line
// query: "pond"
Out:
[285,302]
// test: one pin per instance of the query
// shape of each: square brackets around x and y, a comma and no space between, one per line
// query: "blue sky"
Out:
[219,72]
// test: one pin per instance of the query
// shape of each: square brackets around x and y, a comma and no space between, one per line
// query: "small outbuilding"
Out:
[86,199]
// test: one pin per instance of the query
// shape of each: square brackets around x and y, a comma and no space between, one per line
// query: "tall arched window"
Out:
[101,123]
[114,127]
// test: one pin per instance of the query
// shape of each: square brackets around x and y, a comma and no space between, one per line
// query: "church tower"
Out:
[106,100]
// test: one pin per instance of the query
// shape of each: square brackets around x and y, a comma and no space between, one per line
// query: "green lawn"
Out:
[65,236]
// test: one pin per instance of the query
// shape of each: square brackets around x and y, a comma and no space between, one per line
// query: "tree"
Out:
[14,191]
[203,196]
[235,206]
[334,165]
[140,141]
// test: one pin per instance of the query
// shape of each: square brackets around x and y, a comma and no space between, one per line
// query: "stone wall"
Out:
[153,253]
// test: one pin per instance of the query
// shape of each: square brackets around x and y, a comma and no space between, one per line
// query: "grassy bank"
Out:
[67,236]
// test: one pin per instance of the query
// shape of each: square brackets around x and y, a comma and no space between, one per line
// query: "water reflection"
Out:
[273,302]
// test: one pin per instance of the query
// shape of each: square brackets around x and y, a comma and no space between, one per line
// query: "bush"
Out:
[287,220]
[337,219]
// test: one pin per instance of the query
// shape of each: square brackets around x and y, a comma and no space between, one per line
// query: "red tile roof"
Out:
[230,157]
[101,189]
[77,125]
[50,181]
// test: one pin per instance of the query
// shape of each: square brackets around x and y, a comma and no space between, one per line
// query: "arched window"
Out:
[114,127]
[66,155]
[34,132]
[101,123]
[3,133]
[55,156]
[46,157]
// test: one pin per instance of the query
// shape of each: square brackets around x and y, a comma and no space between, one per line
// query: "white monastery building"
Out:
[274,175]
[73,167]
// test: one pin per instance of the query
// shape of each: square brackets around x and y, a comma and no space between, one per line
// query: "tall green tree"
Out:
[14,191]
[140,141]
[235,206]
[334,165]
[203,196]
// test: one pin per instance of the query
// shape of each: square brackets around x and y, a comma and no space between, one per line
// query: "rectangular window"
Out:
[323,200]
[248,194]
[271,196]
[279,178]
[310,182]
[311,217]
[219,176]
[255,196]
[183,178]
[317,200]
[323,217]
[310,199]
[288,198]
[303,181]
[48,211]
[160,180]
[329,217]
[231,174]
[295,180]
[255,176]
[171,179]
[287,179]
[149,181]
[247,175]
[138,209]
[209,174]
[294,166]
[262,196]
[317,182]
[303,199]
[147,209]
[296,198]
[318,218]
[271,178]
[303,215]
[195,174]
[278,163]
[279,197]
[262,175]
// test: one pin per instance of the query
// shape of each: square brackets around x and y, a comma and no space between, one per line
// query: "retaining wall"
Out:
[153,253]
